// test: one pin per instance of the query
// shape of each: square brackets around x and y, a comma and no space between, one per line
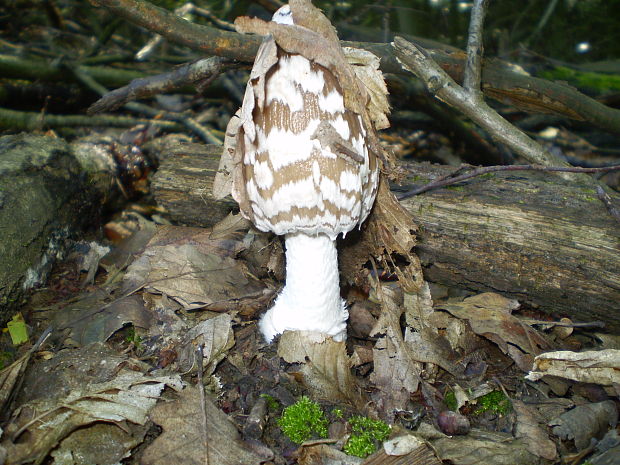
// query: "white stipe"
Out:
[310,300]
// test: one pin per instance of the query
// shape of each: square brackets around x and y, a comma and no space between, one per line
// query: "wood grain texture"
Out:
[531,236]
[183,183]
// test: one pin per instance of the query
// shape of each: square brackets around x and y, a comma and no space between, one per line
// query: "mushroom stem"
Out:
[310,300]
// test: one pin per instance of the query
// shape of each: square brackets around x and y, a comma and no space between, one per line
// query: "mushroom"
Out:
[304,172]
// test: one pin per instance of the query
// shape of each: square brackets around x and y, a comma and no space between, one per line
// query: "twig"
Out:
[448,180]
[189,73]
[611,208]
[213,18]
[543,21]
[203,400]
[184,12]
[445,89]
[587,324]
[473,68]
[31,120]
[205,133]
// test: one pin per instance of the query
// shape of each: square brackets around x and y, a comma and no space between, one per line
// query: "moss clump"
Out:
[598,82]
[366,435]
[496,402]
[272,403]
[303,420]
[450,400]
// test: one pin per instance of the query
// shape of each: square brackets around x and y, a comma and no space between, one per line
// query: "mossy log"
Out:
[48,189]
[528,235]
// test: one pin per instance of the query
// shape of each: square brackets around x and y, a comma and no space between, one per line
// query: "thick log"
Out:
[48,189]
[527,235]
[184,181]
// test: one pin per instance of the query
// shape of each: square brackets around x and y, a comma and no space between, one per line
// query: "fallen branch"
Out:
[31,120]
[452,179]
[141,88]
[204,132]
[498,80]
[469,101]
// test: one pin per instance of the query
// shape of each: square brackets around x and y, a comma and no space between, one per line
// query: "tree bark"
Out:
[538,238]
[183,183]
[48,189]
[535,237]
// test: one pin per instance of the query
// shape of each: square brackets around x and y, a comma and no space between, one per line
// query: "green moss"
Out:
[496,402]
[6,358]
[599,82]
[337,413]
[133,337]
[272,403]
[366,435]
[303,420]
[450,400]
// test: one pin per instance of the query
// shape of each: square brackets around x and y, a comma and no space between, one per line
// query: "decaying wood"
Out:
[531,236]
[48,189]
[534,237]
[183,184]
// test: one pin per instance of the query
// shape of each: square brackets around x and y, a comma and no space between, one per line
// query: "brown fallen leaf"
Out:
[422,337]
[397,371]
[489,315]
[484,447]
[191,267]
[529,427]
[406,449]
[585,422]
[217,338]
[323,454]
[127,397]
[183,438]
[101,443]
[325,366]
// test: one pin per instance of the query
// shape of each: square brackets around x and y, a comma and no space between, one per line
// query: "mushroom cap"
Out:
[305,166]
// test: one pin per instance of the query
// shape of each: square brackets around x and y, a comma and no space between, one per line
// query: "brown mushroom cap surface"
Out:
[295,178]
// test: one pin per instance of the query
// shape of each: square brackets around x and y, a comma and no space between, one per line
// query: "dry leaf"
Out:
[10,376]
[585,422]
[595,366]
[489,316]
[424,340]
[217,338]
[366,67]
[94,317]
[184,431]
[222,183]
[528,427]
[484,447]
[187,265]
[101,444]
[396,372]
[388,230]
[325,365]
[128,397]
[324,454]
[404,450]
